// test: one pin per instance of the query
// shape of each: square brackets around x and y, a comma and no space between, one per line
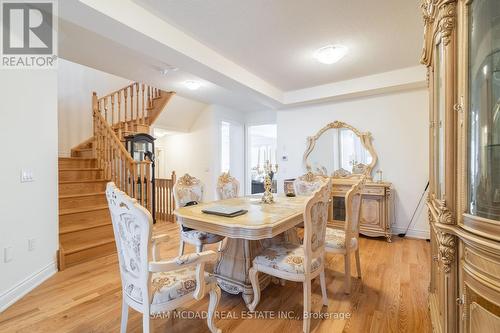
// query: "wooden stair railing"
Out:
[85,230]
[165,204]
[132,109]
[132,177]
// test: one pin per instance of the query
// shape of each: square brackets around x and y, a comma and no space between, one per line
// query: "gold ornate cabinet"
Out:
[376,207]
[344,153]
[462,53]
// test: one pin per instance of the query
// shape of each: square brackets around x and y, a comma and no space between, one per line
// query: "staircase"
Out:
[126,113]
[85,230]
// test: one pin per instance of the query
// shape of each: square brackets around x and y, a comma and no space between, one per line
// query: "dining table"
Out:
[246,235]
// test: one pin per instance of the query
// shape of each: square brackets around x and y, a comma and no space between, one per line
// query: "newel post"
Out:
[172,201]
[95,109]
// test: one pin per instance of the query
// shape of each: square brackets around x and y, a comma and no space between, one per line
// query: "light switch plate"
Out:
[8,254]
[27,176]
[31,244]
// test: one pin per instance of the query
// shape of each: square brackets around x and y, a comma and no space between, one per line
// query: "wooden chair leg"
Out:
[254,279]
[181,248]
[199,248]
[358,264]
[347,273]
[145,322]
[307,306]
[323,287]
[212,306]
[123,327]
[221,245]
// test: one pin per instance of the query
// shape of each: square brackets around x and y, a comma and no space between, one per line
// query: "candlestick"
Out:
[267,197]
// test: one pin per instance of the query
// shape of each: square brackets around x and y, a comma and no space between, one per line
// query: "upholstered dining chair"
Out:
[189,190]
[299,263]
[150,285]
[346,241]
[308,183]
[227,186]
[304,185]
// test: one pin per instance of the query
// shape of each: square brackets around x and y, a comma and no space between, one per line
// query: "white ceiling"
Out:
[275,39]
[82,46]
[250,55]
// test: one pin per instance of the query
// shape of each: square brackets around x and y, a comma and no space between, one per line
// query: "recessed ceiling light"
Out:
[167,69]
[192,84]
[330,54]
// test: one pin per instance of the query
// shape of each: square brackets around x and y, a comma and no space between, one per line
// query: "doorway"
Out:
[261,148]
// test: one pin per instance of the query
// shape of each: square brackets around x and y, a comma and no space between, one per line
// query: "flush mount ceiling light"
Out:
[330,54]
[168,69]
[192,84]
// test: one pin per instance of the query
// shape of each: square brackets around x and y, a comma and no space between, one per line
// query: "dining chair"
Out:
[151,285]
[308,183]
[299,263]
[346,241]
[227,186]
[189,190]
[304,185]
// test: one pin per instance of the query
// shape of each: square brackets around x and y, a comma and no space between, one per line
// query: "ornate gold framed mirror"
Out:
[339,150]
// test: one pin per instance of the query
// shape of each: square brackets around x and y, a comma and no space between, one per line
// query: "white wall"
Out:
[194,152]
[75,86]
[399,125]
[237,142]
[260,117]
[198,151]
[179,114]
[28,132]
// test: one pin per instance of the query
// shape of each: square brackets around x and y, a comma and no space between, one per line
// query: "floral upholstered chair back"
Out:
[315,220]
[227,186]
[308,183]
[187,189]
[132,226]
[353,209]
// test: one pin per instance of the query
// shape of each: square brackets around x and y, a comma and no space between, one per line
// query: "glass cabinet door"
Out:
[439,118]
[484,106]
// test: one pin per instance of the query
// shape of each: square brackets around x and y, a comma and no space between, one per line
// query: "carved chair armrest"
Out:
[156,240]
[188,260]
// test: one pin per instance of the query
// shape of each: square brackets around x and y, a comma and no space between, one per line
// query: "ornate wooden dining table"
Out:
[246,234]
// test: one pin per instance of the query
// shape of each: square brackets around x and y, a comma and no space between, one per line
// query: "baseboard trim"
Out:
[22,288]
[412,233]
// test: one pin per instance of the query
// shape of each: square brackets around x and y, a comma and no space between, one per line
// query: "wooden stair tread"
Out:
[77,158]
[81,210]
[80,169]
[100,180]
[79,195]
[79,226]
[87,244]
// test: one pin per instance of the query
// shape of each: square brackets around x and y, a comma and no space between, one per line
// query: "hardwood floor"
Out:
[392,298]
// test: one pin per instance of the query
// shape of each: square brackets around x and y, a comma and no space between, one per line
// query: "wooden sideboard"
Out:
[376,207]
[345,154]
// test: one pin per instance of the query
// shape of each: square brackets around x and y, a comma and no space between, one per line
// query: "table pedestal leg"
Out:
[232,268]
